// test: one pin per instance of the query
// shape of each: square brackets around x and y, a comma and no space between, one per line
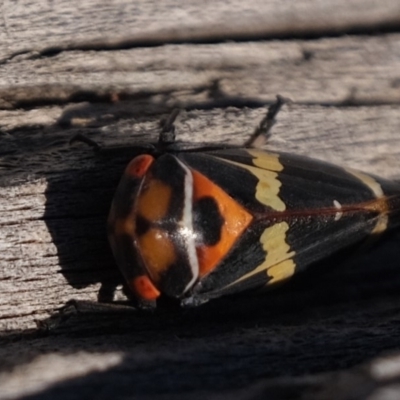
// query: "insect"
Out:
[196,225]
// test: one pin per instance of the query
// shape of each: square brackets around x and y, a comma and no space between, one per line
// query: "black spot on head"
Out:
[142,225]
[207,221]
[175,279]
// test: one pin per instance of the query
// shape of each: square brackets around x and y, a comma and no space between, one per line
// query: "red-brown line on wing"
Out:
[380,206]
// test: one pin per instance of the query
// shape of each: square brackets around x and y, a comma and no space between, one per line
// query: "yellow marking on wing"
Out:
[368,181]
[267,161]
[381,206]
[381,225]
[268,186]
[281,271]
[267,190]
[278,262]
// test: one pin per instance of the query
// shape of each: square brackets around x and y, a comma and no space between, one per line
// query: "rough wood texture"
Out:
[100,69]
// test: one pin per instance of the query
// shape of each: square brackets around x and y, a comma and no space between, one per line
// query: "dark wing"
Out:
[304,210]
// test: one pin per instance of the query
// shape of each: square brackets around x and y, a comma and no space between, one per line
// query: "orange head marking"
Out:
[235,220]
[157,251]
[144,288]
[138,167]
[154,200]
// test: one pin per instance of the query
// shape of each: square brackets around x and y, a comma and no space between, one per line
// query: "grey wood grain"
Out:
[111,71]
[334,71]
[49,27]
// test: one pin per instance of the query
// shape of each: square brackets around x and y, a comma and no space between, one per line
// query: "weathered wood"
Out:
[327,71]
[47,27]
[94,68]
[180,355]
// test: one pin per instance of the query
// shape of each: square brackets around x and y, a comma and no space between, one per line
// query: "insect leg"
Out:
[80,137]
[167,133]
[263,130]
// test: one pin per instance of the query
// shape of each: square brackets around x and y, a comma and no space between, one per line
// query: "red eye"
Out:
[138,167]
[143,288]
